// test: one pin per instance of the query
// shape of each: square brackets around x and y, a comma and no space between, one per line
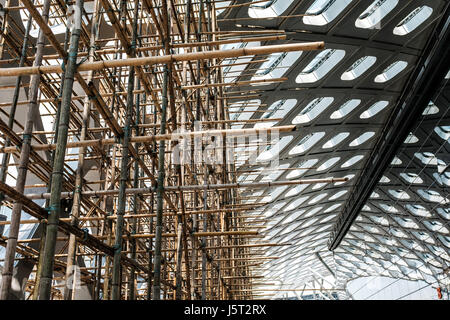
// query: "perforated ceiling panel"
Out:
[340,99]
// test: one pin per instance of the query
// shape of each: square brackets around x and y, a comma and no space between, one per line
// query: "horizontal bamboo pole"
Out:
[216,54]
[109,50]
[156,125]
[160,137]
[66,195]
[174,249]
[165,235]
[142,216]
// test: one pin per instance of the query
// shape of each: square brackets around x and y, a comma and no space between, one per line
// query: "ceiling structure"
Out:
[342,100]
[390,218]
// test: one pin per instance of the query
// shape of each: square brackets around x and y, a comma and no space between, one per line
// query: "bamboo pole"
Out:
[156,289]
[124,174]
[143,191]
[160,137]
[70,288]
[165,59]
[58,165]
[12,111]
[136,207]
[23,165]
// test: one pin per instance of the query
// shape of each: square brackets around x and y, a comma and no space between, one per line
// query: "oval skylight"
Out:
[444,212]
[406,223]
[242,111]
[295,190]
[433,196]
[345,109]
[442,179]
[273,175]
[320,65]
[268,9]
[336,140]
[328,164]
[391,71]
[362,138]
[413,20]
[418,210]
[293,216]
[374,109]
[313,109]
[399,194]
[302,167]
[352,161]
[428,158]
[276,66]
[443,132]
[388,208]
[294,204]
[411,177]
[235,66]
[273,151]
[307,142]
[333,207]
[337,195]
[322,12]
[277,110]
[372,16]
[435,226]
[317,198]
[358,68]
[318,185]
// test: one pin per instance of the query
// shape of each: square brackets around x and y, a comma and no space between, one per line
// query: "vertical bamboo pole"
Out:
[156,291]
[58,165]
[132,294]
[205,226]
[69,290]
[107,276]
[152,205]
[4,29]
[159,194]
[116,286]
[23,165]
[12,110]
[43,224]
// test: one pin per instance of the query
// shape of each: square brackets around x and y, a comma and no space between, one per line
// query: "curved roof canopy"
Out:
[343,100]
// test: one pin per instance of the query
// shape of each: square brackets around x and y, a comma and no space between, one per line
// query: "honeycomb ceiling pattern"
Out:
[340,99]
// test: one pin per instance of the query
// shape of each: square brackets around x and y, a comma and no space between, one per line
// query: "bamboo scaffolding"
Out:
[115,198]
[23,167]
